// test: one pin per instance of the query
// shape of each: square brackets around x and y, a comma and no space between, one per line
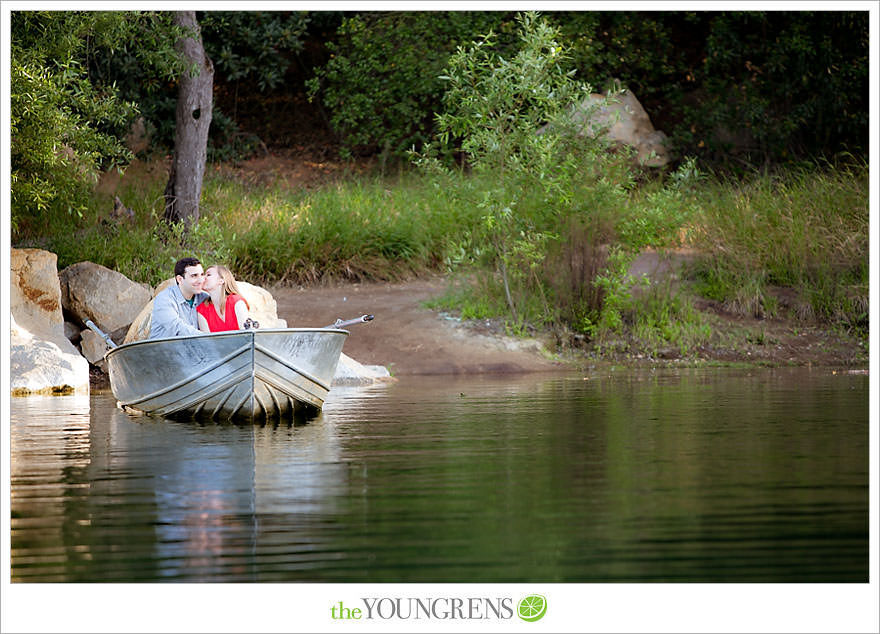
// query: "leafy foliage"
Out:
[512,118]
[645,51]
[773,86]
[736,88]
[381,84]
[142,68]
[62,122]
[256,45]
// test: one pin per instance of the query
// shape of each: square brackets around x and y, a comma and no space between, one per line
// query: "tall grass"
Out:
[803,230]
[806,231]
[363,228]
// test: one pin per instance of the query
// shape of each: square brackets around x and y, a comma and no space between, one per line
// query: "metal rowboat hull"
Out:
[245,375]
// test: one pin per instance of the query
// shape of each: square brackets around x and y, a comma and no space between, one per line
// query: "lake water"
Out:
[707,475]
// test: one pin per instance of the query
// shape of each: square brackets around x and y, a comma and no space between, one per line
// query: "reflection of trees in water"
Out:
[679,475]
[49,456]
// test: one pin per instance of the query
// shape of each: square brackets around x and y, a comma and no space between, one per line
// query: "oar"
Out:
[349,322]
[101,333]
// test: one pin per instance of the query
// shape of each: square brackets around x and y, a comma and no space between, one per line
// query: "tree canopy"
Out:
[65,123]
[736,89]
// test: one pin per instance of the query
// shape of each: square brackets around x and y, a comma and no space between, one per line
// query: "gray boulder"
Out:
[623,120]
[108,298]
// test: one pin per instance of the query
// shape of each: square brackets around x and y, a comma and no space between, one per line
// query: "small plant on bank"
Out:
[664,318]
[512,119]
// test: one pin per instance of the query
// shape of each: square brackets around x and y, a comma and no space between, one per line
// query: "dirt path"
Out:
[405,337]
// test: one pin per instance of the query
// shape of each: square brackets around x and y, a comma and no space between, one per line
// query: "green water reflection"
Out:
[694,475]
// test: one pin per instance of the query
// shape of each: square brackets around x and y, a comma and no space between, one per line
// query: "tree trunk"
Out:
[192,121]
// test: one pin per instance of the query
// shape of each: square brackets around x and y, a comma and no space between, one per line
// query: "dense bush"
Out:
[382,83]
[256,45]
[774,86]
[738,88]
[66,124]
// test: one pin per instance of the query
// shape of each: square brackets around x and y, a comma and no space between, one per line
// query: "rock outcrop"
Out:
[624,121]
[42,359]
[109,299]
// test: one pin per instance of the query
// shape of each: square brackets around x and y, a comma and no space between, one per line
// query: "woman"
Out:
[226,309]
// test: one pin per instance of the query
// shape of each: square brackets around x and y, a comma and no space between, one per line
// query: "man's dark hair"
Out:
[180,267]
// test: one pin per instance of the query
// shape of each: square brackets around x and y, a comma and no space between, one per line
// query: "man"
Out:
[174,309]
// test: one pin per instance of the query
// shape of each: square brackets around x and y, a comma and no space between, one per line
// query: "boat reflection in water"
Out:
[137,498]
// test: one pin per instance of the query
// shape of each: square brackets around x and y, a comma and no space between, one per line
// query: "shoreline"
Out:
[409,338]
[412,340]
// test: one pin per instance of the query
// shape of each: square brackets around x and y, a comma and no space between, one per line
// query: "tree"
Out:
[192,121]
[66,120]
[56,112]
[381,82]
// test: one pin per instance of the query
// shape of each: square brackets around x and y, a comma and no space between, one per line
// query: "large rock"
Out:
[263,309]
[111,300]
[42,360]
[627,123]
[350,372]
[40,366]
[34,292]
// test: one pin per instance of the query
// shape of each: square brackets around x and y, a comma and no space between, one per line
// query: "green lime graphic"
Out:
[532,607]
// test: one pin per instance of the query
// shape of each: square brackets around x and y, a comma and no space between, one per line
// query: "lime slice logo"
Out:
[532,608]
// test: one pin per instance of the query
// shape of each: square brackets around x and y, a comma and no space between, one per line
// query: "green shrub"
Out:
[511,116]
[381,84]
[67,118]
[662,317]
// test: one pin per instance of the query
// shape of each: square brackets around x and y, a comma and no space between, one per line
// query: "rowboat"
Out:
[243,375]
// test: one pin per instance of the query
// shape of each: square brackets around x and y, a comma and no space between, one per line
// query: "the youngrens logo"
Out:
[530,608]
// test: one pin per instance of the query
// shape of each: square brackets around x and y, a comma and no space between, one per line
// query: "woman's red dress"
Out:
[215,324]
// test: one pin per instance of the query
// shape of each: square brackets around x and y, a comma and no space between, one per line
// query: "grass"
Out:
[664,317]
[364,228]
[803,230]
[806,231]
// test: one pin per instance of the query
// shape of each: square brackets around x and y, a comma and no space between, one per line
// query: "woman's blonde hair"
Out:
[229,285]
